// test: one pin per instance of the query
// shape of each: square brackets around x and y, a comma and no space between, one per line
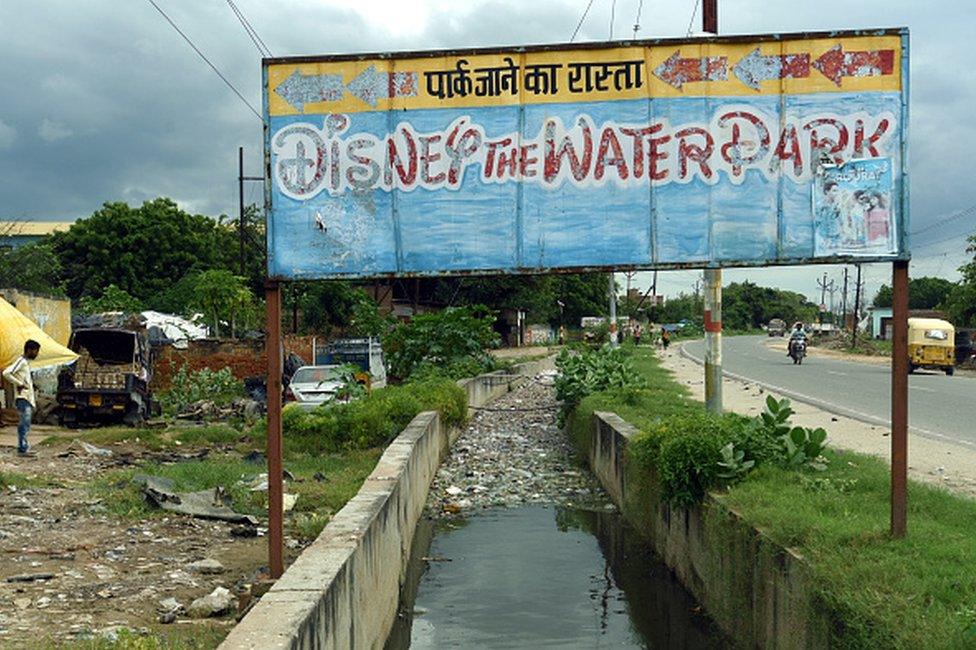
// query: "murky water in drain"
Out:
[537,576]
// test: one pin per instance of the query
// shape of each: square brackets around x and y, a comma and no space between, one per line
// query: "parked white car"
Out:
[314,385]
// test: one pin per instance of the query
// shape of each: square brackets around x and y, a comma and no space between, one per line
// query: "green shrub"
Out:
[441,338]
[218,386]
[586,372]
[373,420]
[689,456]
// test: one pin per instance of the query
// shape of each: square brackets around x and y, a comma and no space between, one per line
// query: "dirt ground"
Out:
[938,462]
[106,571]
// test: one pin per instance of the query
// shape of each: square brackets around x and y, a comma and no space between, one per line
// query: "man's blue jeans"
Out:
[26,413]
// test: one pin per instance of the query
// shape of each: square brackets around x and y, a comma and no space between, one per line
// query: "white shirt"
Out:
[18,373]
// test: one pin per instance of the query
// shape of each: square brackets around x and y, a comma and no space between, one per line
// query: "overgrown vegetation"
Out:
[217,386]
[586,371]
[689,450]
[831,507]
[372,420]
[461,335]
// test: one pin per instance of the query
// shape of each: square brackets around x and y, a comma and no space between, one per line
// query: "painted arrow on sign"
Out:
[755,68]
[299,89]
[835,63]
[677,71]
[370,85]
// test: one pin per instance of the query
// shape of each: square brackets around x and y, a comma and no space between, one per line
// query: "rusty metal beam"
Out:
[899,400]
[710,16]
[274,349]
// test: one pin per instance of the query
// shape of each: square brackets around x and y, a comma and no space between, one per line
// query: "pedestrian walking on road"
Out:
[665,338]
[19,375]
[637,333]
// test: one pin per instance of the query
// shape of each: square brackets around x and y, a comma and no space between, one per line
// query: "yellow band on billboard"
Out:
[822,65]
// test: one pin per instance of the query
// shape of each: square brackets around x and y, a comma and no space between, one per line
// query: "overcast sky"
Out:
[103,101]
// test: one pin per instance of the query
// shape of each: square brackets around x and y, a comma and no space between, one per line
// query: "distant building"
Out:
[17,233]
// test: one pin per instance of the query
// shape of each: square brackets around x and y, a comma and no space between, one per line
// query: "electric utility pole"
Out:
[241,230]
[857,306]
[844,301]
[613,312]
[713,282]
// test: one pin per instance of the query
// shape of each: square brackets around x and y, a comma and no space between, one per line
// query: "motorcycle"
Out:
[798,350]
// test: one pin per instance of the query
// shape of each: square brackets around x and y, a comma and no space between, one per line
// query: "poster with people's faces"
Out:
[853,210]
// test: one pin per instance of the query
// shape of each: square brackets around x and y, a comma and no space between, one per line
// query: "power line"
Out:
[640,7]
[263,49]
[954,217]
[694,12]
[206,60]
[580,24]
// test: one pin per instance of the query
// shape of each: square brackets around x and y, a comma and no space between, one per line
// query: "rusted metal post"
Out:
[710,16]
[899,400]
[274,349]
[713,340]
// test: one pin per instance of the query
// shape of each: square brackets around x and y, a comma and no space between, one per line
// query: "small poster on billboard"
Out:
[854,211]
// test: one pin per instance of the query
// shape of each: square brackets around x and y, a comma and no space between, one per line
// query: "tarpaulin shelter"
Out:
[16,329]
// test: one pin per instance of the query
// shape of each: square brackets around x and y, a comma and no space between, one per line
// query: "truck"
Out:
[109,382]
[365,353]
[776,327]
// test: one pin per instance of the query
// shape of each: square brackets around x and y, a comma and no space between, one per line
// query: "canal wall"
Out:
[343,590]
[759,592]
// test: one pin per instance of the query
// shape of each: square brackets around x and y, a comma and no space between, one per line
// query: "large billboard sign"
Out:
[733,151]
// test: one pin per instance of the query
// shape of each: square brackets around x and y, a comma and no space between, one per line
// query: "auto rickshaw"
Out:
[931,344]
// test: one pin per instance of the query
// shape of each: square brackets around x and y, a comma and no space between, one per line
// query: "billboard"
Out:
[722,151]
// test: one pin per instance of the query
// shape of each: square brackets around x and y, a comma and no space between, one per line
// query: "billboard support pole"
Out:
[713,282]
[274,349]
[899,400]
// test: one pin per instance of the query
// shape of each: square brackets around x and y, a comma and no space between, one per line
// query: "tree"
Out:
[32,267]
[923,293]
[112,299]
[222,295]
[143,251]
[961,301]
[441,338]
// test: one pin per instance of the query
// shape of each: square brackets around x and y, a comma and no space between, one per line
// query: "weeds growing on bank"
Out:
[878,592]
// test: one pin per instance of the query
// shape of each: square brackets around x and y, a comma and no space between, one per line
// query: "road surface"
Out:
[939,407]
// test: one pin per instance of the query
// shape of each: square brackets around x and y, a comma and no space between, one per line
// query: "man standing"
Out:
[19,374]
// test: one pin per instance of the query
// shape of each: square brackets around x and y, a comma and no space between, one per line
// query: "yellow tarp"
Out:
[15,329]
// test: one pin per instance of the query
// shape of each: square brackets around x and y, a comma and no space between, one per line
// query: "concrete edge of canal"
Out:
[759,592]
[343,590]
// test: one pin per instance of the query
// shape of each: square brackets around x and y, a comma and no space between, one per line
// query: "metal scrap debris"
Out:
[205,504]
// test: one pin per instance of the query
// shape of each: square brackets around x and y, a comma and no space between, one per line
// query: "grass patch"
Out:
[200,637]
[208,434]
[878,592]
[865,345]
[911,593]
[323,484]
[660,398]
[151,439]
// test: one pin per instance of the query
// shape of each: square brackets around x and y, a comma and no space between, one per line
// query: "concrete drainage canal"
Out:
[520,547]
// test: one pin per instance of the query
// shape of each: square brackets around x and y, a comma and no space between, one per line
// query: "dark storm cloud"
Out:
[103,101]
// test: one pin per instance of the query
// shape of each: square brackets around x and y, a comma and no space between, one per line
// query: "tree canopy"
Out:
[961,301]
[923,293]
[144,251]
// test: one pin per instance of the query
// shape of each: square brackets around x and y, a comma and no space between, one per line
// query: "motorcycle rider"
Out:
[798,334]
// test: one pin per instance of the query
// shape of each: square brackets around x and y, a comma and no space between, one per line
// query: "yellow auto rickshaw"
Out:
[931,344]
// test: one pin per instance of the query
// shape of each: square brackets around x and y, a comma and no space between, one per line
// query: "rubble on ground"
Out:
[513,453]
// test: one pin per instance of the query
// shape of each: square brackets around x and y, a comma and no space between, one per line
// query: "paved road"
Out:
[938,406]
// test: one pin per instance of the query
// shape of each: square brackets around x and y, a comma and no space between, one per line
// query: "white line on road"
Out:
[922,388]
[828,406]
[836,372]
